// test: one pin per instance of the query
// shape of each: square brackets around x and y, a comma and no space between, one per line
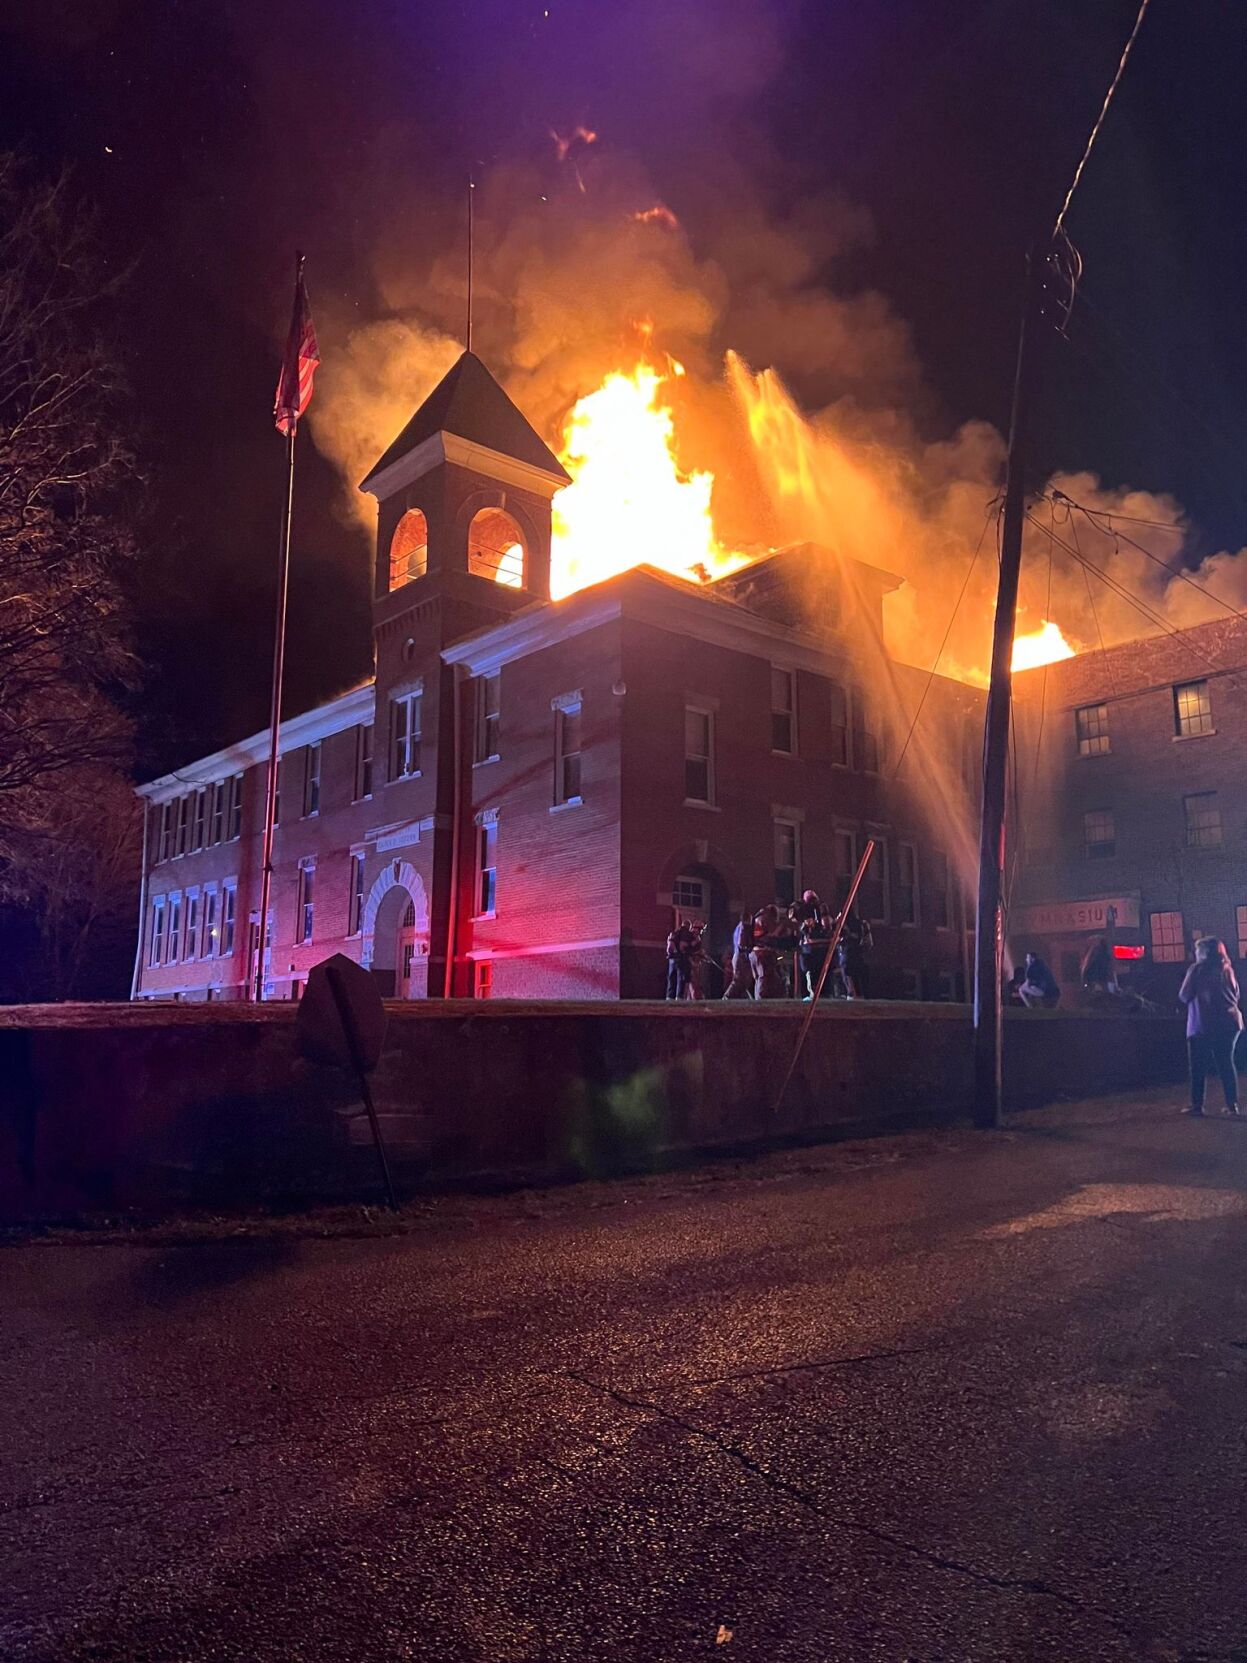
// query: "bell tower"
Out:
[463,524]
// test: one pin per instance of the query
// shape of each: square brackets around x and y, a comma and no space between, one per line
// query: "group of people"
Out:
[775,955]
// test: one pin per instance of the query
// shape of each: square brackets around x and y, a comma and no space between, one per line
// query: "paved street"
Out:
[943,1397]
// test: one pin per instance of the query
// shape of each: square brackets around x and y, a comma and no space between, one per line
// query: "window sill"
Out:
[791,755]
[696,802]
[403,779]
[572,802]
[1094,756]
[482,917]
[1181,739]
[366,798]
[484,761]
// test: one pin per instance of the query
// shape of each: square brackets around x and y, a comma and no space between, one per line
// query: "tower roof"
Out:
[470,404]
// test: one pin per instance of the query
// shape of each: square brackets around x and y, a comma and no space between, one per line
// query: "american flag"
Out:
[294,385]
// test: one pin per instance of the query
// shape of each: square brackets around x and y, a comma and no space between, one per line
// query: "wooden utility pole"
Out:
[989,936]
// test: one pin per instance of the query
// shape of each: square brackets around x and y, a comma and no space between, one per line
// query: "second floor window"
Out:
[487,869]
[156,946]
[567,754]
[1099,836]
[406,714]
[865,739]
[698,755]
[307,887]
[363,761]
[175,929]
[488,703]
[1203,820]
[1091,729]
[1192,709]
[838,733]
[355,911]
[784,711]
[311,779]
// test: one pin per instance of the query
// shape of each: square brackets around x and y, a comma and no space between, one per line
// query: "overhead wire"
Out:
[1058,228]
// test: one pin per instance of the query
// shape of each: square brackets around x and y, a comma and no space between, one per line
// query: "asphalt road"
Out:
[941,1398]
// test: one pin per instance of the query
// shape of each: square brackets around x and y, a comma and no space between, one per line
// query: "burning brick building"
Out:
[529,790]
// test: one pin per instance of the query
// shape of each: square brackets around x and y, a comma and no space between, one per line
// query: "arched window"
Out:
[496,548]
[409,549]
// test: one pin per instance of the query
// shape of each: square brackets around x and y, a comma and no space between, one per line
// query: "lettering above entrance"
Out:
[1059,916]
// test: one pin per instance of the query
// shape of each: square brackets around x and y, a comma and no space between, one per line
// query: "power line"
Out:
[1170,571]
[1058,228]
[1108,663]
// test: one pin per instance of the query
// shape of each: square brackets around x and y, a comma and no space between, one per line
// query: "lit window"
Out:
[307,885]
[218,813]
[784,711]
[311,779]
[906,893]
[688,895]
[488,704]
[483,979]
[698,755]
[1203,820]
[1099,836]
[487,869]
[1240,920]
[199,829]
[175,929]
[211,936]
[406,715]
[496,548]
[872,897]
[166,830]
[1091,729]
[409,549]
[567,754]
[1168,938]
[785,839]
[845,863]
[235,807]
[865,739]
[363,761]
[156,943]
[356,908]
[192,928]
[229,912]
[941,908]
[1192,709]
[839,730]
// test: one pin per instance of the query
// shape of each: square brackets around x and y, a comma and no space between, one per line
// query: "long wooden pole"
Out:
[989,933]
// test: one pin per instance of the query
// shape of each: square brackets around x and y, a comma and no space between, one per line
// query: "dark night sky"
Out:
[218,137]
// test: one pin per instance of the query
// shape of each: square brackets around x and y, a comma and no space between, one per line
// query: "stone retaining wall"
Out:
[159,1105]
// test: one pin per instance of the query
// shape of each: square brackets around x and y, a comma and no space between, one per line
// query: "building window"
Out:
[487,869]
[217,832]
[211,937]
[688,895]
[166,830]
[363,761]
[1168,938]
[235,807]
[200,826]
[307,887]
[785,838]
[192,928]
[229,912]
[184,825]
[872,897]
[1240,921]
[940,909]
[865,739]
[1203,820]
[156,943]
[784,711]
[496,548]
[1192,709]
[483,979]
[406,714]
[839,731]
[698,755]
[567,754]
[311,779]
[485,727]
[1099,837]
[175,929]
[409,549]
[1091,728]
[844,852]
[906,895]
[355,899]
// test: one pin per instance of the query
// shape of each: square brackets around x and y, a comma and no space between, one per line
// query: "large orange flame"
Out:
[1042,646]
[629,502]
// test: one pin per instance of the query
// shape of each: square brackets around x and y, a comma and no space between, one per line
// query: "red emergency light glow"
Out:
[1129,952]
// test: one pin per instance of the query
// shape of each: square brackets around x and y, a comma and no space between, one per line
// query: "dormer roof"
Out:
[469,405]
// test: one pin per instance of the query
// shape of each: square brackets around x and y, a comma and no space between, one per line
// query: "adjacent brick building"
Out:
[529,791]
[1132,795]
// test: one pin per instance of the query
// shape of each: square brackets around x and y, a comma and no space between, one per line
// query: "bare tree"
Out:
[65,476]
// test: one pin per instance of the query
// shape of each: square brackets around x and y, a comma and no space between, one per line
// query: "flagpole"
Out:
[274,711]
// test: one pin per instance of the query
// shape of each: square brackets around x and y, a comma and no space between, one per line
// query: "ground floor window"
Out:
[1168,938]
[483,979]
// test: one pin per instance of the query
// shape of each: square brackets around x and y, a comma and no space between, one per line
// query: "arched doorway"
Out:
[396,933]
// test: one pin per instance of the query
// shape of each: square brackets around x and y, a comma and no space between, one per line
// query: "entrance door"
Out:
[411,960]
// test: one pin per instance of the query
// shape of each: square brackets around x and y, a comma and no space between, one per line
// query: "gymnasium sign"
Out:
[1058,917]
